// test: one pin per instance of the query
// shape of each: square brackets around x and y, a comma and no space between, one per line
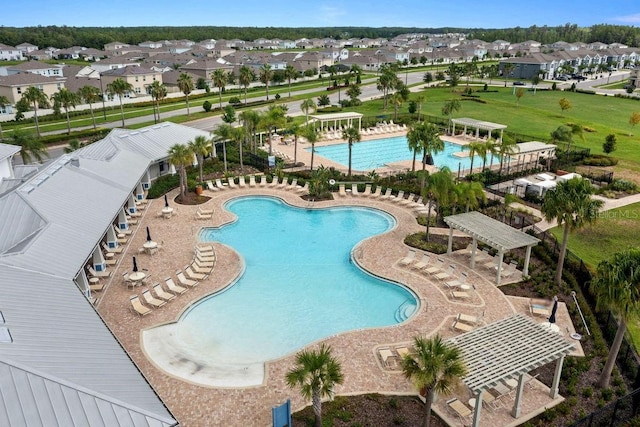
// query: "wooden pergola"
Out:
[496,234]
[507,350]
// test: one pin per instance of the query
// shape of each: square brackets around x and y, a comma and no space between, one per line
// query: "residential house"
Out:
[36,67]
[13,86]
[114,46]
[204,69]
[140,78]
[43,54]
[26,49]
[10,53]
[170,80]
[151,45]
[112,64]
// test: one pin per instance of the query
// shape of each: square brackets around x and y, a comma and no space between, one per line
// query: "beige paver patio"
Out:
[195,405]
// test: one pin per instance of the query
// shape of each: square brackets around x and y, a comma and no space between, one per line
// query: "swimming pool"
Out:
[299,285]
[376,153]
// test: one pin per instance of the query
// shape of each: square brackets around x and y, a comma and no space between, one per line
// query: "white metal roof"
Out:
[336,116]
[490,231]
[506,349]
[7,150]
[480,124]
[534,146]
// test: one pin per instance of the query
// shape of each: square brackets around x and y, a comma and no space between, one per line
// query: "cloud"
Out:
[629,19]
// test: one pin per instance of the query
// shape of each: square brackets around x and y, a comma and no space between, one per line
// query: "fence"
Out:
[615,414]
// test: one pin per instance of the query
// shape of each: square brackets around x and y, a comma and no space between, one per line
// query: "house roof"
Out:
[7,150]
[22,79]
[33,65]
[128,71]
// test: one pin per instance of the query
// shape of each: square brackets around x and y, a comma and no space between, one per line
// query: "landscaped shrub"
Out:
[163,185]
[600,160]
[623,185]
[206,105]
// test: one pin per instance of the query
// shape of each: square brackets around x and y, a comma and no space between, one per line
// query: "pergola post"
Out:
[477,409]
[527,257]
[556,378]
[474,249]
[450,243]
[515,413]
[499,266]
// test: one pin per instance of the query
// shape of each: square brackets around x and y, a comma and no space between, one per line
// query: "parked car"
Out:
[518,83]
[578,77]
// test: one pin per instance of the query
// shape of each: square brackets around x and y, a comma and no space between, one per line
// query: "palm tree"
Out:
[396,101]
[30,147]
[158,92]
[425,137]
[296,130]
[266,74]
[74,145]
[357,72]
[219,78]
[120,88]
[419,101]
[4,101]
[475,148]
[66,99]
[185,83]
[90,94]
[312,137]
[180,155]
[250,120]
[274,118]
[246,77]
[436,368]
[224,132]
[37,98]
[448,108]
[414,142]
[316,373]
[570,203]
[506,147]
[352,135]
[438,191]
[307,105]
[616,287]
[290,72]
[469,194]
[201,147]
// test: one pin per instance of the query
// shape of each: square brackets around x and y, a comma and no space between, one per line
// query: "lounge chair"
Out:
[459,408]
[205,211]
[242,182]
[263,180]
[465,323]
[399,197]
[212,187]
[457,282]
[435,269]
[200,215]
[252,180]
[110,261]
[193,275]
[204,264]
[161,293]
[354,190]
[387,193]
[342,192]
[201,269]
[232,183]
[115,250]
[403,351]
[385,355]
[539,308]
[304,189]
[274,181]
[184,281]
[96,287]
[203,246]
[447,274]
[411,256]
[173,288]
[293,185]
[460,295]
[284,182]
[219,185]
[151,300]
[204,258]
[422,263]
[377,192]
[137,307]
[408,200]
[509,270]
[95,273]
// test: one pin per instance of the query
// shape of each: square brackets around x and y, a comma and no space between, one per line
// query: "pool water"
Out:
[299,285]
[376,153]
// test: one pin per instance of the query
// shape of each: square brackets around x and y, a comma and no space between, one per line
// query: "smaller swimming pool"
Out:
[377,153]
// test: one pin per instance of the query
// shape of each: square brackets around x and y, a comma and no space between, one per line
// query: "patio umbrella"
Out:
[552,318]
[135,265]
[148,235]
[166,201]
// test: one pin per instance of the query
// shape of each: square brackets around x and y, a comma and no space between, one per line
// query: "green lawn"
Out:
[614,231]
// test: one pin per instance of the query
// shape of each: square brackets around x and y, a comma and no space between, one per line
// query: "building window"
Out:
[138,90]
[59,85]
[144,78]
[19,90]
[162,166]
[136,78]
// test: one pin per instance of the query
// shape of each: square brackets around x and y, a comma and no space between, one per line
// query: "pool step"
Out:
[405,311]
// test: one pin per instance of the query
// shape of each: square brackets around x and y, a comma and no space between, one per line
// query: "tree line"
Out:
[97,37]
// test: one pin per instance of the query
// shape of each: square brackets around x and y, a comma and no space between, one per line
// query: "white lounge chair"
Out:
[274,181]
[293,185]
[212,187]
[232,183]
[354,190]
[151,300]
[284,183]
[377,192]
[219,185]
[200,215]
[399,197]
[342,192]
[242,182]
[411,256]
[263,181]
[184,281]
[304,189]
[387,194]
[252,180]
[367,191]
[173,288]
[95,273]
[422,263]
[161,293]
[193,275]
[115,250]
[137,307]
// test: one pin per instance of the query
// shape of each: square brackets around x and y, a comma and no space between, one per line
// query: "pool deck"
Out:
[195,405]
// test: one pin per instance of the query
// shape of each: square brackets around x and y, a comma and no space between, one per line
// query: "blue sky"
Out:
[320,13]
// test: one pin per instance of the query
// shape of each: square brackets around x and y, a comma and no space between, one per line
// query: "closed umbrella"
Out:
[552,318]
[135,265]
[166,201]
[148,235]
